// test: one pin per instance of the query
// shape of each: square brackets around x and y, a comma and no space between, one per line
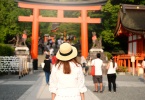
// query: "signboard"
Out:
[132,58]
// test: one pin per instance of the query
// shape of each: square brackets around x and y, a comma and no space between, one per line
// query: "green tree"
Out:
[9,24]
[137,2]
[8,18]
[109,20]
[109,41]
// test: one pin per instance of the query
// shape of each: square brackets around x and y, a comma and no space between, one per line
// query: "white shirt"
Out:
[59,42]
[98,63]
[59,80]
[83,60]
[89,63]
[112,70]
[143,64]
[51,50]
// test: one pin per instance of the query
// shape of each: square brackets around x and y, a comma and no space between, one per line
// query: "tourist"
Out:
[46,52]
[89,64]
[84,67]
[47,68]
[67,79]
[83,60]
[51,50]
[143,66]
[59,42]
[111,74]
[97,78]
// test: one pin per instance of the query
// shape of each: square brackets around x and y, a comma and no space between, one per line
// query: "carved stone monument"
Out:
[97,47]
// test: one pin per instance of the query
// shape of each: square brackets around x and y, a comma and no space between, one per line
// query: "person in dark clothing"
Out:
[47,68]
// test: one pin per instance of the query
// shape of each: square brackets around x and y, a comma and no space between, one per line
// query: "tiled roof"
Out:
[66,2]
[132,17]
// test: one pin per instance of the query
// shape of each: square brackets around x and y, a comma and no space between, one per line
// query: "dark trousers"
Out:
[111,80]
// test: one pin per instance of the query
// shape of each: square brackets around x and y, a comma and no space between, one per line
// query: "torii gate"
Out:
[36,18]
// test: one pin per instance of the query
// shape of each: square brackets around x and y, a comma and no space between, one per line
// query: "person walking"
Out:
[143,66]
[67,79]
[47,68]
[111,74]
[83,60]
[97,78]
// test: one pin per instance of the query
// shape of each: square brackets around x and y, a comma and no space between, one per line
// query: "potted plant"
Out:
[121,70]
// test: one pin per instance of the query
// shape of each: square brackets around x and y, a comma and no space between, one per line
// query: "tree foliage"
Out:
[109,20]
[9,24]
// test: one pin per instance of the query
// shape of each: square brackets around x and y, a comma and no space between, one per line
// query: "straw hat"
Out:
[66,52]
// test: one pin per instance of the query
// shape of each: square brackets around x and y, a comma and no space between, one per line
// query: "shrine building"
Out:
[131,22]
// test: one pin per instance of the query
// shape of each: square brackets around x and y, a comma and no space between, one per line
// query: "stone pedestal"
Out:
[93,52]
[97,50]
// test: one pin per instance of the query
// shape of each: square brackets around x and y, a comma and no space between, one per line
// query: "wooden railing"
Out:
[125,60]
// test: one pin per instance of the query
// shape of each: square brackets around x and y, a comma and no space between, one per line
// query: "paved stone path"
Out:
[33,87]
[128,88]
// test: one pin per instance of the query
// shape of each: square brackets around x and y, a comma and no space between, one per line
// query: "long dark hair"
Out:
[113,61]
[66,65]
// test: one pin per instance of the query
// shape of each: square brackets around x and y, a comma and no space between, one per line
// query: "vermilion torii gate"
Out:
[36,18]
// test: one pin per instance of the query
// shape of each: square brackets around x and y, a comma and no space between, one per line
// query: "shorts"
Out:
[97,79]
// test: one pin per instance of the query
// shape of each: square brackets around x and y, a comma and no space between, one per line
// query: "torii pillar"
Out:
[35,30]
[84,34]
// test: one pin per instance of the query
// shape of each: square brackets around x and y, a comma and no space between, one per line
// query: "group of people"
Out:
[98,77]
[67,80]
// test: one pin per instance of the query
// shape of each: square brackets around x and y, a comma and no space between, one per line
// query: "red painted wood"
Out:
[35,30]
[41,6]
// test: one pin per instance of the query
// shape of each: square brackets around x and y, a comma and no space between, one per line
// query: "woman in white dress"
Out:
[67,79]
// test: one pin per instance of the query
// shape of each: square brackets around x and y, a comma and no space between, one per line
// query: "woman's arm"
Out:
[108,65]
[53,96]
[82,96]
[53,83]
[81,83]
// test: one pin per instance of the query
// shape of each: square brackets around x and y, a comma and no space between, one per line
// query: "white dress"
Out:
[67,86]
